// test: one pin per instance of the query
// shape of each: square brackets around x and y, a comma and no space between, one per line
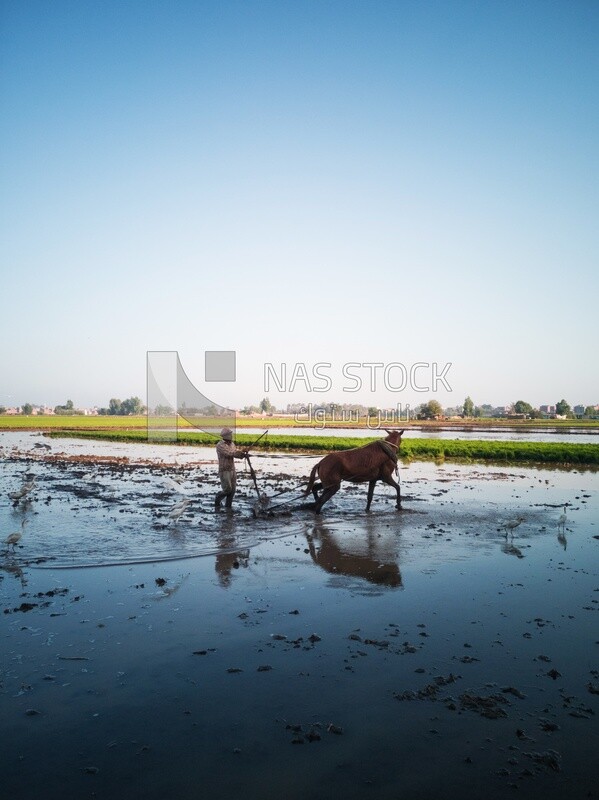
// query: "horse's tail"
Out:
[311,481]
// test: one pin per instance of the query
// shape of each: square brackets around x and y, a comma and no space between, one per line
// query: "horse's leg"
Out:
[388,479]
[371,485]
[326,495]
[315,489]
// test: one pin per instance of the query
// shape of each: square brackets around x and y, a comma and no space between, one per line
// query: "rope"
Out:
[285,502]
[387,448]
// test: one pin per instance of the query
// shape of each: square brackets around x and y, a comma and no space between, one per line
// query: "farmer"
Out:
[227,453]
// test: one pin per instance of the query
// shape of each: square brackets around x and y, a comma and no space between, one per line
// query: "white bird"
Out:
[512,524]
[178,487]
[24,490]
[178,509]
[15,537]
[561,523]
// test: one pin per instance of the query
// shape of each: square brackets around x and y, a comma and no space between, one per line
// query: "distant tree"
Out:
[114,406]
[132,405]
[2,410]
[266,406]
[164,411]
[26,408]
[373,411]
[67,410]
[536,414]
[478,412]
[468,407]
[590,411]
[562,408]
[521,407]
[430,410]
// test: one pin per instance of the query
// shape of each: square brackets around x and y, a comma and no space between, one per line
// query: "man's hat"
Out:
[226,433]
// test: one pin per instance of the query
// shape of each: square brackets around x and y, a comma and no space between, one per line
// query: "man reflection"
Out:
[225,563]
[229,558]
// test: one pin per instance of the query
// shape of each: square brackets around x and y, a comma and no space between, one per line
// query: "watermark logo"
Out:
[422,376]
[174,403]
[313,415]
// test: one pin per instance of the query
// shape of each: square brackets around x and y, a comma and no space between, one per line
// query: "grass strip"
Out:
[415,449]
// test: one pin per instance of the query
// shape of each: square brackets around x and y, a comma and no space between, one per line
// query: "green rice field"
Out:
[411,449]
[134,429]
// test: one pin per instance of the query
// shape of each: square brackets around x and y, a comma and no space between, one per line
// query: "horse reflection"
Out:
[362,554]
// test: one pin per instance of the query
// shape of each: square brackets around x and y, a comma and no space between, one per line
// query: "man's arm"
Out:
[231,450]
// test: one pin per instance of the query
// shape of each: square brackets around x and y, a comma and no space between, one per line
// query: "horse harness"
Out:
[390,450]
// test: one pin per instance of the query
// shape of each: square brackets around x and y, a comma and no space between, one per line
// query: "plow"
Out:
[265,505]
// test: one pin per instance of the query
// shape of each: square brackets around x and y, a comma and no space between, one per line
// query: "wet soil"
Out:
[407,654]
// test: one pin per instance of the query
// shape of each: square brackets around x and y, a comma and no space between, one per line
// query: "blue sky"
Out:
[299,182]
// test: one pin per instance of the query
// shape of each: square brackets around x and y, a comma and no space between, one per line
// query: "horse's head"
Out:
[394,437]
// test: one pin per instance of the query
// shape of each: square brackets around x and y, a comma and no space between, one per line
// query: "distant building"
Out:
[41,410]
[548,411]
[579,411]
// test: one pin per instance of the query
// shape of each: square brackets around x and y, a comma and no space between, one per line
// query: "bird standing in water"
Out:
[561,523]
[15,537]
[23,491]
[178,510]
[512,524]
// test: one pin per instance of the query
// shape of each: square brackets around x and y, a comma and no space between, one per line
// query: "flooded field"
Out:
[430,652]
[502,434]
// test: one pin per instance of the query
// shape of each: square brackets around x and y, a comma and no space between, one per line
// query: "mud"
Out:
[382,655]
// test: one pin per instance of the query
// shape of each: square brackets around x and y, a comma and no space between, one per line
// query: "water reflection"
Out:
[229,558]
[496,433]
[561,538]
[14,569]
[510,549]
[366,553]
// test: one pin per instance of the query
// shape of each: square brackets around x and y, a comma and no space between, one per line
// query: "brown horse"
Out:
[374,462]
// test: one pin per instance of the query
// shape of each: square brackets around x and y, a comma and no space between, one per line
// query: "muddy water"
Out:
[413,654]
